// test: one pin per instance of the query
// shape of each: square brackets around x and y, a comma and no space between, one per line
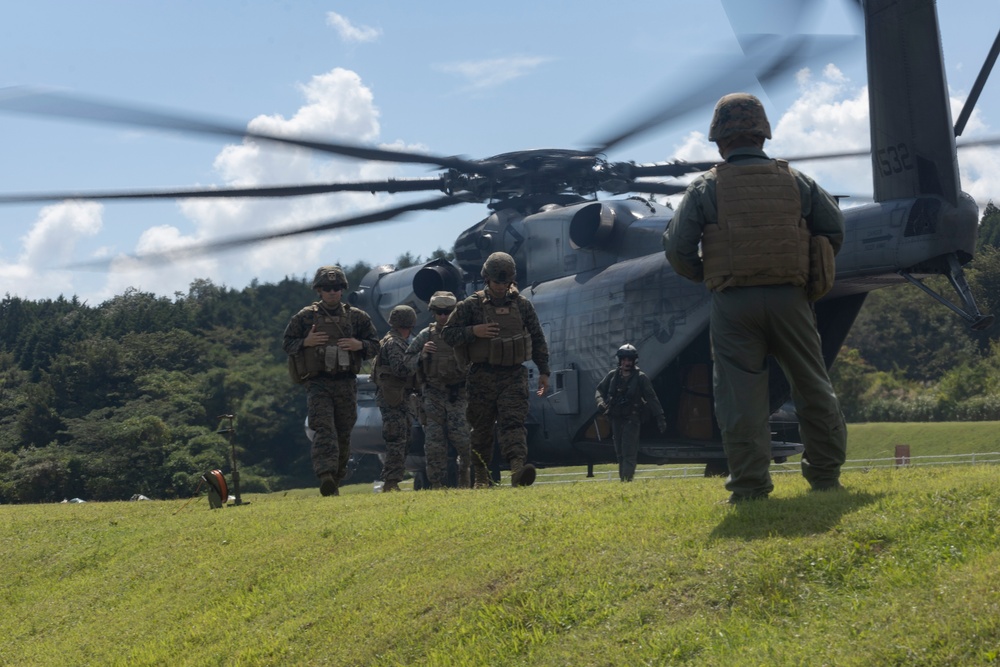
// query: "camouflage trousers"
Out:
[397,422]
[498,395]
[333,410]
[446,425]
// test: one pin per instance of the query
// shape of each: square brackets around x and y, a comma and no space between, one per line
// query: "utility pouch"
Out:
[297,368]
[822,267]
[392,394]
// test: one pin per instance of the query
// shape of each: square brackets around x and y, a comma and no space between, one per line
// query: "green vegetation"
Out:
[902,569]
[103,402]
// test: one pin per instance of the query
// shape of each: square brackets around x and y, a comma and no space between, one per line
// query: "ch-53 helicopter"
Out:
[594,269]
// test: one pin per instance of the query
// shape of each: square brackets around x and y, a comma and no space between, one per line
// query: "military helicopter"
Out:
[594,269]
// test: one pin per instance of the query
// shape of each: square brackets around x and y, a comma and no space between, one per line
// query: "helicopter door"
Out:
[694,410]
[565,396]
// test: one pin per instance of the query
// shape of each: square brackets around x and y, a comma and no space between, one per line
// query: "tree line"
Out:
[104,402]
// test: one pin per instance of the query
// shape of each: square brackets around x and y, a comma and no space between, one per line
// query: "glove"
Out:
[661,423]
[602,407]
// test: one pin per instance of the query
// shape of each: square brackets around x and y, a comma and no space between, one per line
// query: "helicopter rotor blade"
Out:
[670,168]
[231,243]
[974,143]
[390,186]
[977,87]
[766,59]
[657,188]
[41,102]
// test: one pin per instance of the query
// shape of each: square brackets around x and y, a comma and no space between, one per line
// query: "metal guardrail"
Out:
[680,471]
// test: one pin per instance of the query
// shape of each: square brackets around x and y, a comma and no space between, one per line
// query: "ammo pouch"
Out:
[510,351]
[336,360]
[822,268]
[507,351]
[329,359]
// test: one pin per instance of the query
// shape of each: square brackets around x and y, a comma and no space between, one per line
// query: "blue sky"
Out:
[470,79]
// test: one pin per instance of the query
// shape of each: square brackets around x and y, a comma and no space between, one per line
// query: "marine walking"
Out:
[326,343]
[395,383]
[496,330]
[442,379]
[626,395]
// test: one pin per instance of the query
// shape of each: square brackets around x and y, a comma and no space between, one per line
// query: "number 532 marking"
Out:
[894,159]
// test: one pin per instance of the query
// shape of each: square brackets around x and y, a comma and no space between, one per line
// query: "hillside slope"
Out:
[904,568]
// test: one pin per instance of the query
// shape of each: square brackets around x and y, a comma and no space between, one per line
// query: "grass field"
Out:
[902,569]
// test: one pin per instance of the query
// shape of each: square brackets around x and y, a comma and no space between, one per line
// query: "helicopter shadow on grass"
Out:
[797,516]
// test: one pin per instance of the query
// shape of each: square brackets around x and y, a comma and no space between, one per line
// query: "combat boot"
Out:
[482,477]
[328,484]
[464,478]
[521,473]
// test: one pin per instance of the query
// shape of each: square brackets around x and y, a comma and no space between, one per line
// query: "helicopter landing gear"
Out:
[970,313]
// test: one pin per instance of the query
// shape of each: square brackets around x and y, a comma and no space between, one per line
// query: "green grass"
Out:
[904,569]
[879,440]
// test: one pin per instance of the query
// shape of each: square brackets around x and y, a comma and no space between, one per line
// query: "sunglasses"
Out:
[332,288]
[443,311]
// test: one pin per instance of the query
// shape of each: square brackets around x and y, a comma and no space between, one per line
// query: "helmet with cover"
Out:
[402,317]
[500,267]
[442,301]
[327,276]
[736,114]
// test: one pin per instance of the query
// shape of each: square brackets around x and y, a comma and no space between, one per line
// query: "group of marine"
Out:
[468,367]
[759,234]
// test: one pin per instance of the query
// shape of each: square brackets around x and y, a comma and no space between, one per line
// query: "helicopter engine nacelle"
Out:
[592,226]
[384,288]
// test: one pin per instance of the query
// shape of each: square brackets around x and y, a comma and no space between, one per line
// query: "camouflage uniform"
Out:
[625,399]
[756,315]
[394,384]
[445,402]
[498,395]
[332,399]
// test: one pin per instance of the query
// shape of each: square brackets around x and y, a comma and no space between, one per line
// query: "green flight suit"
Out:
[750,322]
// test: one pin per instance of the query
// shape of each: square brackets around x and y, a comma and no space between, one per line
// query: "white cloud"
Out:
[338,107]
[52,239]
[482,74]
[48,246]
[350,32]
[830,115]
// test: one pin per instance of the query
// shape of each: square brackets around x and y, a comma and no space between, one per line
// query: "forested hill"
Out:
[104,402]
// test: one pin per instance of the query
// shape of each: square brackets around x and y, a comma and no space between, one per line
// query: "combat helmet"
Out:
[330,275]
[739,113]
[627,351]
[442,301]
[402,317]
[500,267]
